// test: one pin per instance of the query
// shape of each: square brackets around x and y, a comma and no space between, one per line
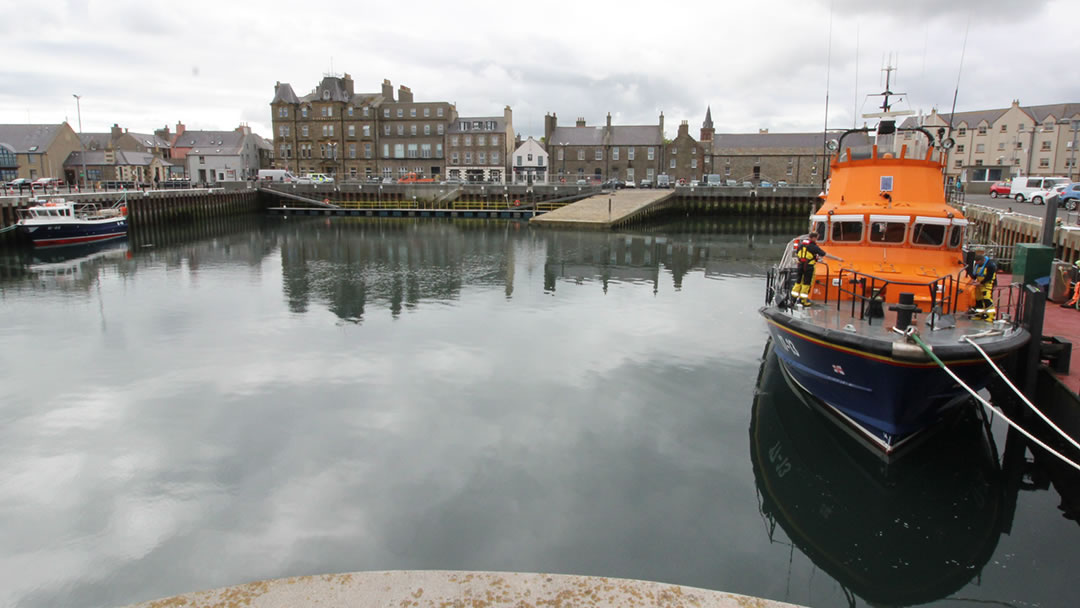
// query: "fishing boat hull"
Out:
[882,388]
[74,233]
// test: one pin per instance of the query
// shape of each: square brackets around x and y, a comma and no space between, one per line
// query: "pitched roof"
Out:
[212,143]
[633,135]
[731,141]
[29,138]
[150,140]
[95,141]
[1059,111]
[125,158]
[284,93]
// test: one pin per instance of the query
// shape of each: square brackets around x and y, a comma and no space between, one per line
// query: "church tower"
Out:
[707,126]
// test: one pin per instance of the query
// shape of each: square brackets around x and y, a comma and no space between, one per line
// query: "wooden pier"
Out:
[606,210]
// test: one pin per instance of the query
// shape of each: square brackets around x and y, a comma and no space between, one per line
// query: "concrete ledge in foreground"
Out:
[450,589]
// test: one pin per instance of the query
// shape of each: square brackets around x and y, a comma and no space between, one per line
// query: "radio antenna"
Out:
[956,92]
[825,131]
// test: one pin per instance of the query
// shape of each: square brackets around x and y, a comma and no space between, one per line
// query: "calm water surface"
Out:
[206,408]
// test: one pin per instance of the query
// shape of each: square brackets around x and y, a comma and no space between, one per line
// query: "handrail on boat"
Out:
[943,292]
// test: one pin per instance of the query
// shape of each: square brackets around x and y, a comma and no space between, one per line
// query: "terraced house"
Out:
[339,132]
[625,152]
[997,144]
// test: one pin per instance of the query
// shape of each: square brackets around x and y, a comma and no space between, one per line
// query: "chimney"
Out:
[508,116]
[684,129]
[404,94]
[244,129]
[550,122]
[179,129]
[348,84]
[163,133]
[661,126]
[580,121]
[609,120]
[116,131]
[387,90]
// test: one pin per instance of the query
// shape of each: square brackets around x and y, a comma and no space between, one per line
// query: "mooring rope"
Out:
[984,402]
[1021,395]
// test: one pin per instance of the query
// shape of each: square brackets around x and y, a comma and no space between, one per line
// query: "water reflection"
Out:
[911,532]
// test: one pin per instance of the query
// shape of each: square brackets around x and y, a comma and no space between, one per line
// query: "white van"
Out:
[1034,189]
[276,175]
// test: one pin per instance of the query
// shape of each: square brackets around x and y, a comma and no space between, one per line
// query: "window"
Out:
[650,173]
[303,112]
[481,158]
[961,132]
[401,129]
[427,112]
[982,129]
[599,154]
[494,158]
[652,153]
[365,111]
[847,231]
[727,171]
[980,148]
[352,130]
[304,131]
[887,230]
[386,112]
[1044,163]
[283,130]
[614,154]
[1001,146]
[630,154]
[454,158]
[350,111]
[454,140]
[959,148]
[539,161]
[978,162]
[928,234]
[399,150]
[956,237]
[439,128]
[438,150]
[819,228]
[581,154]
[413,151]
[412,112]
[1004,128]
[425,150]
[283,112]
[561,154]
[401,112]
[629,174]
[412,129]
[202,160]
[367,130]
[331,130]
[1019,145]
[330,111]
[386,150]
[427,129]
[1045,146]
[481,140]
[468,158]
[352,150]
[519,159]
[438,112]
[1020,127]
[958,163]
[673,163]
[468,140]
[367,150]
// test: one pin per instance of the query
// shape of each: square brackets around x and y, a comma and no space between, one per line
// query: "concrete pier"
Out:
[451,589]
[605,210]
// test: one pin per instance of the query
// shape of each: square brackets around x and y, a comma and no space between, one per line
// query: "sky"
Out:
[770,64]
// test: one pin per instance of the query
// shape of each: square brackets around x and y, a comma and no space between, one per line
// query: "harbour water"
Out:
[190,410]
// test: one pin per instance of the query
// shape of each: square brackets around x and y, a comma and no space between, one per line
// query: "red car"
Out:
[1000,189]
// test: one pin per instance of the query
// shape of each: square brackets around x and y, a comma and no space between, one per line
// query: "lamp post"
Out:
[1072,159]
[82,148]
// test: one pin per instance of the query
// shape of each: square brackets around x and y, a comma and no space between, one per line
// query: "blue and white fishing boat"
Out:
[59,222]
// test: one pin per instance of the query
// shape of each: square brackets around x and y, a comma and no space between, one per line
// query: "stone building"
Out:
[219,156]
[686,156]
[625,152]
[337,131]
[479,147]
[39,150]
[795,158]
[1001,143]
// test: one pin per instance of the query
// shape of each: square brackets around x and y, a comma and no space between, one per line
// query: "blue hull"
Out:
[886,399]
[50,235]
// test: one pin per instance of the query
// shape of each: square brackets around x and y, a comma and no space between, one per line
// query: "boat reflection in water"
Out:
[901,533]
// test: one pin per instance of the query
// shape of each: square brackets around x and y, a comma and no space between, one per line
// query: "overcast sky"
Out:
[213,65]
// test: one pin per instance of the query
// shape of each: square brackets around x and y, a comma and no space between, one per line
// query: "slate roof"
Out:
[1038,113]
[212,143]
[95,141]
[150,140]
[24,137]
[736,141]
[633,135]
[283,92]
[123,158]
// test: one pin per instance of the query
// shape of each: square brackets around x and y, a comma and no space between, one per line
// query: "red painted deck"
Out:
[1065,324]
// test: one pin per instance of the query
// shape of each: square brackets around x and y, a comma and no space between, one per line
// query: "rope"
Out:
[1021,395]
[986,403]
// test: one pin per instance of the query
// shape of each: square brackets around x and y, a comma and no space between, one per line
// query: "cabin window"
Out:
[888,232]
[819,229]
[956,237]
[928,234]
[847,231]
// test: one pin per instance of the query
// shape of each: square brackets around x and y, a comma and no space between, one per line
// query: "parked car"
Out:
[614,184]
[321,178]
[748,184]
[1000,189]
[646,183]
[45,183]
[730,183]
[303,179]
[18,183]
[694,183]
[765,184]
[781,184]
[1029,188]
[663,181]
[629,184]
[1070,197]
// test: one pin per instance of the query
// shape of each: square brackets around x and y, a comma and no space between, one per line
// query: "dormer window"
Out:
[326,95]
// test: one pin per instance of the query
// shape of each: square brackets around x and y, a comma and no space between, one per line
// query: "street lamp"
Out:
[82,148]
[1072,160]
